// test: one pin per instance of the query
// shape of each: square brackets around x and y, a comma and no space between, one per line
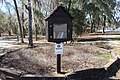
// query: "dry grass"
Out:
[42,60]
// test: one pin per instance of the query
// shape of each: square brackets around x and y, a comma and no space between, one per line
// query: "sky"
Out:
[4,8]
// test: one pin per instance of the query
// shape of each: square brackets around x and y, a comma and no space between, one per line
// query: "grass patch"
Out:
[116,37]
[105,57]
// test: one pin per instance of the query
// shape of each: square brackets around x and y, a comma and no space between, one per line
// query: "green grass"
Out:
[105,57]
[116,37]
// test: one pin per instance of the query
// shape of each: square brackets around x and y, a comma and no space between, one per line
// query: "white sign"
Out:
[59,48]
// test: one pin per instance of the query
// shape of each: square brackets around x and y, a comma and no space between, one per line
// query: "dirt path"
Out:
[7,43]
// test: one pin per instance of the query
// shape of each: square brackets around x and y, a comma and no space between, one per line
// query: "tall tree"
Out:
[20,27]
[23,21]
[30,25]
[104,23]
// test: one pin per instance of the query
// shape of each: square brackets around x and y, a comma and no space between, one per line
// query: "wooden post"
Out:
[58,63]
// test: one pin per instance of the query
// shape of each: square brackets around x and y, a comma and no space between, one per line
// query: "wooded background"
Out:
[28,16]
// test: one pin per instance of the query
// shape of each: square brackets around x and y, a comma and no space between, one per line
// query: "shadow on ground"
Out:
[97,73]
[97,39]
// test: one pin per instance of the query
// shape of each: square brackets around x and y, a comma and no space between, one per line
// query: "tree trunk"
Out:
[20,27]
[33,16]
[103,29]
[9,28]
[104,24]
[9,33]
[94,21]
[30,25]
[92,26]
[69,5]
[0,34]
[24,32]
[98,23]
[36,32]
[23,24]
[17,37]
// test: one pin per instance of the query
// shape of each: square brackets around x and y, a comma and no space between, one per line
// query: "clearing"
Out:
[90,52]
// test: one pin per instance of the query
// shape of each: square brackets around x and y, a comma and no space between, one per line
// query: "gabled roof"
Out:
[59,7]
